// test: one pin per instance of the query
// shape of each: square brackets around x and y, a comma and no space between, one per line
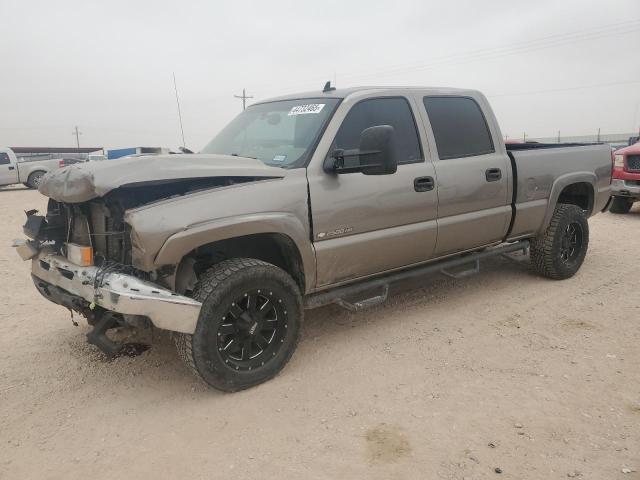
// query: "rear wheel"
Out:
[249,324]
[34,179]
[559,252]
[621,205]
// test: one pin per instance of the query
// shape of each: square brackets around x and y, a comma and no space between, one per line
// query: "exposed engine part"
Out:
[99,223]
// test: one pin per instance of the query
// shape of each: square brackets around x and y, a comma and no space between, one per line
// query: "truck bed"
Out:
[538,170]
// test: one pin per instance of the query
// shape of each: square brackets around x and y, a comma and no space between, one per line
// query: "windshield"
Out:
[281,134]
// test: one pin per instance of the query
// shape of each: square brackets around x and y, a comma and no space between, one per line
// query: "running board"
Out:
[339,294]
[464,273]
[366,303]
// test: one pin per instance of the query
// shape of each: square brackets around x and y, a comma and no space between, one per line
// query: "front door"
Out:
[8,170]
[367,224]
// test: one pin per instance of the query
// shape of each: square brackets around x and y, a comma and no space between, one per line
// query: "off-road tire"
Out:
[34,179]
[547,249]
[621,205]
[216,289]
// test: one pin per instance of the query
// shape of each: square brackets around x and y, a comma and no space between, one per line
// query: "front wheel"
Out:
[621,205]
[249,324]
[559,252]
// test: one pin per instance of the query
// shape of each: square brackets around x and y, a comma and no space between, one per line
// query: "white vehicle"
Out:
[13,171]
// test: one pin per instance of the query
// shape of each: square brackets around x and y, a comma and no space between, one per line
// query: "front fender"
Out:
[181,243]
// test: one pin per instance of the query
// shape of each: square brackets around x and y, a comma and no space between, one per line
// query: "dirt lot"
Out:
[451,380]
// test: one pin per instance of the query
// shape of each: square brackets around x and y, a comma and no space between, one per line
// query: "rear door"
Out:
[473,175]
[8,170]
[367,224]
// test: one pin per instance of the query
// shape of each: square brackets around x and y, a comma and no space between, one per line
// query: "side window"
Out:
[4,158]
[459,127]
[382,111]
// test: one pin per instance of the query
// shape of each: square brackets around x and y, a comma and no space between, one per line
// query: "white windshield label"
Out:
[305,109]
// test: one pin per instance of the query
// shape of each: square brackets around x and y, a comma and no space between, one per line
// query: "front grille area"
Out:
[94,224]
[633,163]
[109,235]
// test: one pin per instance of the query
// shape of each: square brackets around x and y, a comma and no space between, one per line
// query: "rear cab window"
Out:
[4,158]
[394,111]
[459,127]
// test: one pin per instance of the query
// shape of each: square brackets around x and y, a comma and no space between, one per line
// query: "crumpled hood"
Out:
[82,182]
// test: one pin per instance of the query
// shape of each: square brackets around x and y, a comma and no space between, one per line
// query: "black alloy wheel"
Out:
[252,330]
[572,241]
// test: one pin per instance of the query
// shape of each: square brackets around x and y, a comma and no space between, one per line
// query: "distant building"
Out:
[50,153]
[123,152]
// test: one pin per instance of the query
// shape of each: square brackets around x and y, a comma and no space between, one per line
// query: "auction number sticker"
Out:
[305,109]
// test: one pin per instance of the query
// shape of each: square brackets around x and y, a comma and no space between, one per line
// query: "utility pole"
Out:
[524,137]
[244,97]
[598,135]
[77,133]
[175,87]
[558,136]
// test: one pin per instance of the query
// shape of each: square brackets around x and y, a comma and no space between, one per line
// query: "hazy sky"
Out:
[106,66]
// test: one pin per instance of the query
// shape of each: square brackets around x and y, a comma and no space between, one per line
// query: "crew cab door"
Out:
[473,174]
[367,224]
[8,170]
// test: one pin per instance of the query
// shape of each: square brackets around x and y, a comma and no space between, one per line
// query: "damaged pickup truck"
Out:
[302,201]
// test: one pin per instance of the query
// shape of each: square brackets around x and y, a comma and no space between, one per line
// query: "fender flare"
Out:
[178,245]
[560,184]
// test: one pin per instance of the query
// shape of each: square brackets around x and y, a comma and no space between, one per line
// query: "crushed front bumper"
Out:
[118,292]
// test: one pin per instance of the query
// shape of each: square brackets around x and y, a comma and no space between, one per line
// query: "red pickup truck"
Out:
[625,186]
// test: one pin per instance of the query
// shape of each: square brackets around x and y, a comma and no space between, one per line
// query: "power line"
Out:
[511,49]
[486,56]
[491,53]
[244,98]
[551,90]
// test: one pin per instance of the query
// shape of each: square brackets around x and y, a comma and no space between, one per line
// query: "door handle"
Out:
[423,184]
[493,174]
[12,168]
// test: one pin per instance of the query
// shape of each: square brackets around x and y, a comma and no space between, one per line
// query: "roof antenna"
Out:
[328,87]
[175,86]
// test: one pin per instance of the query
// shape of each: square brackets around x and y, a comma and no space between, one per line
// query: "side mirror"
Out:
[377,154]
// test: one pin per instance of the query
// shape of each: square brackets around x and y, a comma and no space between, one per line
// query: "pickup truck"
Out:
[626,179]
[302,201]
[30,173]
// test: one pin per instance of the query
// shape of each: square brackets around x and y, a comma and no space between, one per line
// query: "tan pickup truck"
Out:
[302,201]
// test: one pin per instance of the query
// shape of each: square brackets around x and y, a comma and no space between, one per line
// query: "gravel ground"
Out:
[451,380]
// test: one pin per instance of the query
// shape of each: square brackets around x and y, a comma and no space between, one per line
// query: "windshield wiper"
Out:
[243,156]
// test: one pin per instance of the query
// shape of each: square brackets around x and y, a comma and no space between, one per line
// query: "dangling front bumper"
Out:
[116,292]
